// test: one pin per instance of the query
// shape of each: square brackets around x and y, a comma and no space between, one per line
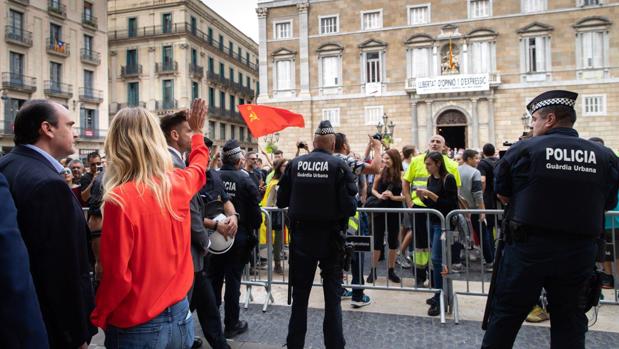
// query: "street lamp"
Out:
[385,129]
[271,140]
[526,124]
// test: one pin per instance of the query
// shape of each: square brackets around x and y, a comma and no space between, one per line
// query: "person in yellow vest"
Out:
[416,177]
[278,219]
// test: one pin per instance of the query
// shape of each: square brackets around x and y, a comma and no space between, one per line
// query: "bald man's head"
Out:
[325,142]
[437,143]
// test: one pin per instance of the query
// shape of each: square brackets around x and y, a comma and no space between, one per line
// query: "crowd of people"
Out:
[134,226]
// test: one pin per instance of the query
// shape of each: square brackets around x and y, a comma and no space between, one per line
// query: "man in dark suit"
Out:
[21,323]
[51,221]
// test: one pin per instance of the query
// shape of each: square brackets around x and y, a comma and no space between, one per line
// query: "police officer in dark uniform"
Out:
[229,266]
[319,191]
[557,187]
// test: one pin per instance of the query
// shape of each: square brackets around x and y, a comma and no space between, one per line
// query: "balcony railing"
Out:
[166,68]
[18,36]
[90,56]
[58,89]
[91,95]
[58,47]
[222,113]
[22,2]
[19,82]
[130,71]
[248,92]
[166,105]
[181,29]
[88,20]
[215,111]
[217,79]
[132,105]
[196,71]
[92,133]
[7,126]
[55,8]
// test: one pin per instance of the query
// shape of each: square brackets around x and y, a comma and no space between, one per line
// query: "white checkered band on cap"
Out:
[325,131]
[553,101]
[232,151]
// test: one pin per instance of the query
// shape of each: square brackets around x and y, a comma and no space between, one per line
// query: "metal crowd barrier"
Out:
[474,273]
[389,285]
[611,244]
[463,233]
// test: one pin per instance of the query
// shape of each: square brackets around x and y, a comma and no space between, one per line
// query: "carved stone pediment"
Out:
[535,27]
[330,47]
[283,52]
[373,43]
[593,22]
[419,39]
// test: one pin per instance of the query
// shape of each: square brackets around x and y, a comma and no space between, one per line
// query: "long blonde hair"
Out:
[136,151]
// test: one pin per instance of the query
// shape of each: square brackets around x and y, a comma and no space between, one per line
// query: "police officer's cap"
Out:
[325,128]
[550,98]
[231,148]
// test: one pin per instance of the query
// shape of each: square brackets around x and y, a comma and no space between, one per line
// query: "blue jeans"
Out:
[172,329]
[437,255]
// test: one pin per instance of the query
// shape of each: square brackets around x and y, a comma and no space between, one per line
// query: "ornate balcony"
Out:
[89,21]
[58,89]
[90,57]
[90,95]
[18,36]
[166,68]
[57,9]
[19,82]
[58,47]
[196,71]
[166,105]
[131,71]
[92,133]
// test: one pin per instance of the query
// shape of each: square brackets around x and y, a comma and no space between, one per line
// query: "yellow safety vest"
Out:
[353,224]
[417,175]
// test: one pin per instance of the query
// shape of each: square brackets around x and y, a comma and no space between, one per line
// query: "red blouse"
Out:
[145,252]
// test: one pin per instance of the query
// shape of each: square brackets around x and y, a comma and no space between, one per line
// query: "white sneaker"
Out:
[401,260]
[457,268]
[366,300]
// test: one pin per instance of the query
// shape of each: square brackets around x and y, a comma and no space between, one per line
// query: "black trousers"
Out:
[229,267]
[561,266]
[203,301]
[312,247]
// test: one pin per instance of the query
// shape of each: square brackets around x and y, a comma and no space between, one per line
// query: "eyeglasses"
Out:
[76,168]
[252,159]
[95,163]
[66,171]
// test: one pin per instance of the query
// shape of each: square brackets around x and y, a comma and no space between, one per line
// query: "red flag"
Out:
[263,120]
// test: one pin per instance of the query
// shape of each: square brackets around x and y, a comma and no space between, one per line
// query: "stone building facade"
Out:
[464,69]
[56,50]
[165,53]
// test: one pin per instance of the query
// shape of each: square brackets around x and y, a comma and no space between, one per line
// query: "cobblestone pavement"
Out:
[374,330]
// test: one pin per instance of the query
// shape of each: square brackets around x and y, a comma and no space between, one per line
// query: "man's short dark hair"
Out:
[251,152]
[92,155]
[565,115]
[489,149]
[408,150]
[278,152]
[597,140]
[340,140]
[29,118]
[171,121]
[469,154]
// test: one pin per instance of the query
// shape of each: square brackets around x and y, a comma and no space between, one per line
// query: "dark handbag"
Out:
[373,202]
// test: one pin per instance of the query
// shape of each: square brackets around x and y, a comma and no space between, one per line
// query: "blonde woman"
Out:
[145,242]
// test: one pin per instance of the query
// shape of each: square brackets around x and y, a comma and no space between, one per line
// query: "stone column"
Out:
[429,122]
[491,130]
[262,53]
[475,122]
[414,123]
[303,8]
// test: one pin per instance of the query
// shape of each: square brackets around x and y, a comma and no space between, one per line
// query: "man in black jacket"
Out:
[51,221]
[229,266]
[21,323]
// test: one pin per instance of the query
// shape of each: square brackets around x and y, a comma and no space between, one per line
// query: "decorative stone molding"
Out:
[113,53]
[303,6]
[419,40]
[183,46]
[592,23]
[372,43]
[262,12]
[330,47]
[535,27]
[152,49]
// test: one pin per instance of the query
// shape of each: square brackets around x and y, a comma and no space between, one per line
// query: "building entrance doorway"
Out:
[452,124]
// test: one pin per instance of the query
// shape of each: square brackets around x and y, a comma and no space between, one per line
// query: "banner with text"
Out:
[453,83]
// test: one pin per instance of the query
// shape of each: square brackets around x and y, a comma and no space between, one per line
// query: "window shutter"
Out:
[598,49]
[540,54]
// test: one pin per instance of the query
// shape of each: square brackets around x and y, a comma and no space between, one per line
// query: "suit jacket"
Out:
[199,236]
[54,229]
[21,322]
